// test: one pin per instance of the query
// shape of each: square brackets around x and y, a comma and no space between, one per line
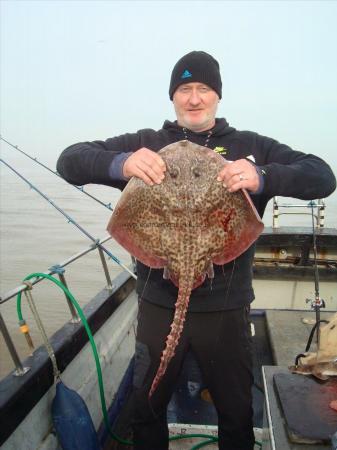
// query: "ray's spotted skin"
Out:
[184,225]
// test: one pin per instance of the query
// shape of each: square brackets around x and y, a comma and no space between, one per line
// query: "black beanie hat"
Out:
[196,67]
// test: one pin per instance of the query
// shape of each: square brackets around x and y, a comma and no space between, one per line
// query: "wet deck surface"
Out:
[289,334]
[188,443]
[188,405]
[280,431]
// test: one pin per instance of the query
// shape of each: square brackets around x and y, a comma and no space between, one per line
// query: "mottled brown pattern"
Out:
[184,225]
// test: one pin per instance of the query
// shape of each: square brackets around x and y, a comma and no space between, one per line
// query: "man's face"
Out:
[195,105]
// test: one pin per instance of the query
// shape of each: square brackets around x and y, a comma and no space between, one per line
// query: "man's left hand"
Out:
[240,174]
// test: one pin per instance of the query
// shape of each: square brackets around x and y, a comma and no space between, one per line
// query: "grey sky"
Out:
[74,70]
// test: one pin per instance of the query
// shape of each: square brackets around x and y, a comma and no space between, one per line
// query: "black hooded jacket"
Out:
[286,173]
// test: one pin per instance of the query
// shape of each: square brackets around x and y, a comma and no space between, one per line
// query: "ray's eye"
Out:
[174,173]
[196,172]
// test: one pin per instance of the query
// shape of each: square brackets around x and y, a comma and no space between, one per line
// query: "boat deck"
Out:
[289,332]
[279,337]
[190,443]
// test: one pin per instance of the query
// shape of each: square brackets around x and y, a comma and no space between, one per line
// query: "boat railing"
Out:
[58,270]
[317,210]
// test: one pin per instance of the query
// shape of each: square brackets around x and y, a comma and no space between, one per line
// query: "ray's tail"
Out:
[177,325]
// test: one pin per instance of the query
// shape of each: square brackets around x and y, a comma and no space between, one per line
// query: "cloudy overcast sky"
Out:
[85,70]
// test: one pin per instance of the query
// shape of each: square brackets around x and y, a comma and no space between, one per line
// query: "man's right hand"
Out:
[146,165]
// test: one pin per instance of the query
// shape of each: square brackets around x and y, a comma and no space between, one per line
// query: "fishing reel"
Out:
[316,302]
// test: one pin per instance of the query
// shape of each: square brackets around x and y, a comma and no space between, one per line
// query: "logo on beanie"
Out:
[186,74]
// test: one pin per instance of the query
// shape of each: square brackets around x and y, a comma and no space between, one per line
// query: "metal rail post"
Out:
[74,315]
[20,370]
[275,213]
[105,268]
[59,270]
[321,213]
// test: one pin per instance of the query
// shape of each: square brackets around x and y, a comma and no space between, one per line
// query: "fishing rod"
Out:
[317,303]
[80,188]
[70,219]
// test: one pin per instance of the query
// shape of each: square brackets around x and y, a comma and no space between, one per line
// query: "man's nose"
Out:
[194,97]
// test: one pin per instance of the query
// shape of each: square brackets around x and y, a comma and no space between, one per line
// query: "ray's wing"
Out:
[137,221]
[230,221]
[236,225]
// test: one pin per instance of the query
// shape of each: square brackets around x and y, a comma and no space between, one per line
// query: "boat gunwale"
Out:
[19,394]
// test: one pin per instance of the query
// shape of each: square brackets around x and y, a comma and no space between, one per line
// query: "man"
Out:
[217,329]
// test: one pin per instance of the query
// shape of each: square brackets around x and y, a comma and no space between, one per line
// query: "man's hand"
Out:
[238,175]
[146,165]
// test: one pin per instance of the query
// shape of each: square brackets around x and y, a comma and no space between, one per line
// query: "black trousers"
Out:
[221,344]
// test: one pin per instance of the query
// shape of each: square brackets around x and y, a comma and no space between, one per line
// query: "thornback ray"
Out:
[184,225]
